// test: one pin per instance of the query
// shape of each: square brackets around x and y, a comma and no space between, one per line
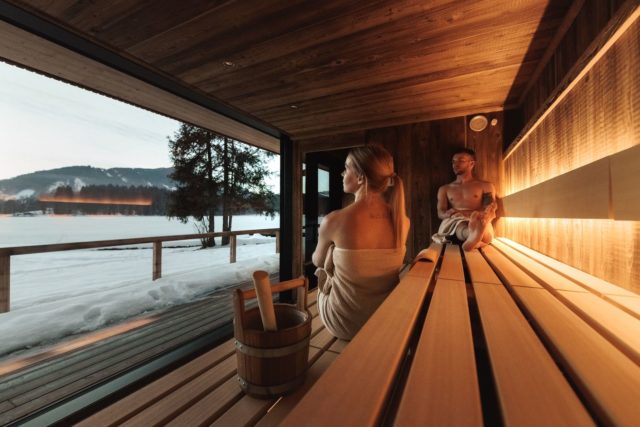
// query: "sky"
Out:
[47,124]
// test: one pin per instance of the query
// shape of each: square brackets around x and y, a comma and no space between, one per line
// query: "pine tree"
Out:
[195,166]
[244,172]
[210,168]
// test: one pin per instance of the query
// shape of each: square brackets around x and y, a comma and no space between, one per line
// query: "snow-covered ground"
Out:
[57,294]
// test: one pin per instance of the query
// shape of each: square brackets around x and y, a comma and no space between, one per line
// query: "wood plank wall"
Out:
[588,23]
[598,118]
[422,153]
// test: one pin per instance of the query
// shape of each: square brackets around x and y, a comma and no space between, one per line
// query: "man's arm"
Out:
[443,204]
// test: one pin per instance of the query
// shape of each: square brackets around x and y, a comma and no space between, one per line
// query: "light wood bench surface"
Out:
[497,335]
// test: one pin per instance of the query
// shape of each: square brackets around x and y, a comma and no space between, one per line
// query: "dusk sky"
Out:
[49,124]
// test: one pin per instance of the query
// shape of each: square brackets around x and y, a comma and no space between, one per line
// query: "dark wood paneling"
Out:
[345,65]
[422,154]
[589,22]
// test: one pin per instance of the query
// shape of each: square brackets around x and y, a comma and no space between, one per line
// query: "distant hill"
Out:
[42,182]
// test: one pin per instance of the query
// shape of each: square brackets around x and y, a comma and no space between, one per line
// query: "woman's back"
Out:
[365,225]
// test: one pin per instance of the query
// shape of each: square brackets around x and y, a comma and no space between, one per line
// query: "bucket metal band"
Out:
[271,352]
[270,391]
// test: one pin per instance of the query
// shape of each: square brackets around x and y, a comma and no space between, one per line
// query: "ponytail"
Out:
[395,198]
[375,163]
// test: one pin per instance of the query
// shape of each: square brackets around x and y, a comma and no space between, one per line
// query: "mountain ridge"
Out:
[46,181]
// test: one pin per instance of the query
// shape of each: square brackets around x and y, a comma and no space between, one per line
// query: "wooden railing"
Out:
[8,252]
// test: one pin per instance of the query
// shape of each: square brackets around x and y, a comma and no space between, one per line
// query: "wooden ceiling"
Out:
[313,68]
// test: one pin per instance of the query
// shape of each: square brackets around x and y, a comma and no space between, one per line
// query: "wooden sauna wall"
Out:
[422,153]
[590,19]
[596,126]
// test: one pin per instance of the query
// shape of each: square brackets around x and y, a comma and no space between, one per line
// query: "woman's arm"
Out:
[325,239]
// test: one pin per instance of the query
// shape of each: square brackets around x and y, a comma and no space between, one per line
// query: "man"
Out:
[466,206]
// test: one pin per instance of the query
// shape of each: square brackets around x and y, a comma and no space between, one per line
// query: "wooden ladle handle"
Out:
[262,286]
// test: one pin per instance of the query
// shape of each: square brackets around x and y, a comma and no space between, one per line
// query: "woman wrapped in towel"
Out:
[361,247]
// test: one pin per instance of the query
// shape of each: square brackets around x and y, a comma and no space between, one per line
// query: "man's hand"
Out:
[452,213]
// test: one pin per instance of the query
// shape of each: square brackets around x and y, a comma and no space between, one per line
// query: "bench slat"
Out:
[442,387]
[605,375]
[169,406]
[275,416]
[479,270]
[209,407]
[546,277]
[502,264]
[595,284]
[451,267]
[619,327]
[145,396]
[531,389]
[630,304]
[354,389]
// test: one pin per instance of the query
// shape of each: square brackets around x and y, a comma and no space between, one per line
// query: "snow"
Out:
[25,194]
[78,291]
[55,185]
[78,184]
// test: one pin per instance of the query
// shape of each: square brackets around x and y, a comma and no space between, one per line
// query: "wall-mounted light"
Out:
[478,123]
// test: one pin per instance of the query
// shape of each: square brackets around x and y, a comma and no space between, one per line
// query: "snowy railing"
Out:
[7,253]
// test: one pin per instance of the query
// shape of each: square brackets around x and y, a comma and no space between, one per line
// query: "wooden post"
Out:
[232,248]
[5,282]
[278,241]
[157,260]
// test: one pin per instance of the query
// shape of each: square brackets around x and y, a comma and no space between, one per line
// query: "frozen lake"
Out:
[47,229]
[82,290]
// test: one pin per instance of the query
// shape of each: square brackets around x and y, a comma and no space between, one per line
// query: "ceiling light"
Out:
[294,106]
[228,63]
[478,123]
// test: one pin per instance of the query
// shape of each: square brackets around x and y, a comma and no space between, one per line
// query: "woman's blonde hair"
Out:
[375,164]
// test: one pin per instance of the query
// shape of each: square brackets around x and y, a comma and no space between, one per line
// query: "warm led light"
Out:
[97,201]
[602,247]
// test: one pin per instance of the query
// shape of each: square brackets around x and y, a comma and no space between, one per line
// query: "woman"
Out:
[361,247]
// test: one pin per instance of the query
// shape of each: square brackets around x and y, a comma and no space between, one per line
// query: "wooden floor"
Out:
[206,390]
[30,384]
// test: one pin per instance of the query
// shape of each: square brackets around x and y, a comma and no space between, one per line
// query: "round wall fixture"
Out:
[478,123]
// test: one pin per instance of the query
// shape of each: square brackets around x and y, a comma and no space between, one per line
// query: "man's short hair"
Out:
[468,151]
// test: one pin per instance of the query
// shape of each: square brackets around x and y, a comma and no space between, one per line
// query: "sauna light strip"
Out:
[606,189]
[603,50]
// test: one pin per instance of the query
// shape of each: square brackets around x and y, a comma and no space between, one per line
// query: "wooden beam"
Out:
[63,55]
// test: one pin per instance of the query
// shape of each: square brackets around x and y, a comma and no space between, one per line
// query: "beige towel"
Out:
[448,228]
[352,284]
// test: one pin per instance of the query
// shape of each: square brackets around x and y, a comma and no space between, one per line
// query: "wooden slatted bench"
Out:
[498,336]
[507,336]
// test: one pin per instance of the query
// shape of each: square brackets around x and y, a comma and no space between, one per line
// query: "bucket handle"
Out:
[239,296]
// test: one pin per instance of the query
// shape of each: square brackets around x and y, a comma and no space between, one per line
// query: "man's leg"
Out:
[480,229]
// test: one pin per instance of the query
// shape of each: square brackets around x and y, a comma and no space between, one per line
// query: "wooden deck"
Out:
[205,391]
[30,385]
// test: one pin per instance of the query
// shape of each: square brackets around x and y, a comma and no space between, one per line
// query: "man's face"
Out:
[462,163]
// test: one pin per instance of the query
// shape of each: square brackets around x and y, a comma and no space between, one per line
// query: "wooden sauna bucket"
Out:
[274,363]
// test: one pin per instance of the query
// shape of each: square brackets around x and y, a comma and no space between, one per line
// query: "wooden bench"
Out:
[498,336]
[507,336]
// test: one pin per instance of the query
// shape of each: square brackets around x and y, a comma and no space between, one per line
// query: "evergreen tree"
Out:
[194,162]
[210,170]
[244,187]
